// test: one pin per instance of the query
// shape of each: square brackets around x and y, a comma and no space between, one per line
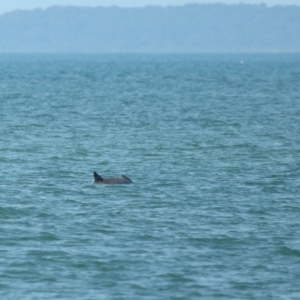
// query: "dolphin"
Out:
[100,180]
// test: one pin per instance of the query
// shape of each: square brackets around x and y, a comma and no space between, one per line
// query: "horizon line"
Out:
[149,5]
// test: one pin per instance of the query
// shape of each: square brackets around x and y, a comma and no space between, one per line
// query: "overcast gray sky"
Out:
[10,5]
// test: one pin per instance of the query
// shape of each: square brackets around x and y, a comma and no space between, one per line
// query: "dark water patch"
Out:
[10,213]
[287,251]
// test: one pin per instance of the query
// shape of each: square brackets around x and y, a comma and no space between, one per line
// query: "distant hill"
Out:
[189,28]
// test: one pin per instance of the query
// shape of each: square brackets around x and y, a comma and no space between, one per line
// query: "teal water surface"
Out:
[212,145]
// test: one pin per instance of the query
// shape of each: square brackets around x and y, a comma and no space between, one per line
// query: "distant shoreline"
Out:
[192,28]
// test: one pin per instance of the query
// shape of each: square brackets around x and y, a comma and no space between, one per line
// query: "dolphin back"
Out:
[123,180]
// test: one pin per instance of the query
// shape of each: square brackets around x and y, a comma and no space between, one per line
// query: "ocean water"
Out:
[212,144]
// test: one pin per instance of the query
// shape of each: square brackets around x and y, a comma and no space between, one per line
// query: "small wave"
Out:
[289,251]
[8,212]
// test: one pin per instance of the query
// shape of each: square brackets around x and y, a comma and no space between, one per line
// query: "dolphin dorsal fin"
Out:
[125,177]
[97,177]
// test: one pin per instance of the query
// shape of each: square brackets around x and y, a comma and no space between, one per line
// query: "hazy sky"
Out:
[9,5]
